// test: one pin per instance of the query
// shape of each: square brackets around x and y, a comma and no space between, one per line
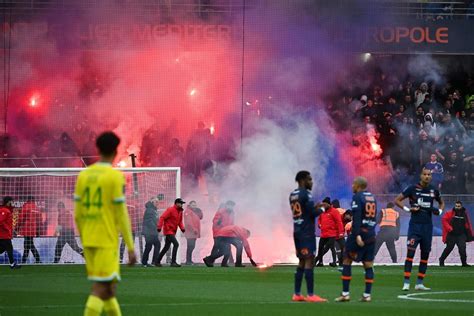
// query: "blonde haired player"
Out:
[101,215]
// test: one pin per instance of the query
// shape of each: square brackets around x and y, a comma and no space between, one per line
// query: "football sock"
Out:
[298,279]
[346,277]
[423,267]
[94,306]
[309,277]
[111,307]
[409,264]
[369,279]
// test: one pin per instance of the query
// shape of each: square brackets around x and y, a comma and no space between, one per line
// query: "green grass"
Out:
[62,290]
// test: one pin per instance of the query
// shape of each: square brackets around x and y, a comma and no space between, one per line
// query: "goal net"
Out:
[44,208]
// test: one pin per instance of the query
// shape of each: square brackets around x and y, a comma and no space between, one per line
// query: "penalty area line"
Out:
[415,297]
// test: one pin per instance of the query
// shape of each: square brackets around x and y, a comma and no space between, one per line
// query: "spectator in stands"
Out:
[450,145]
[176,153]
[89,149]
[370,110]
[408,103]
[436,170]
[392,106]
[430,127]
[453,175]
[421,93]
[6,230]
[171,219]
[192,221]
[408,90]
[150,221]
[27,226]
[447,107]
[426,147]
[355,105]
[419,116]
[65,232]
[400,114]
[428,104]
[457,230]
[67,146]
[469,174]
[198,149]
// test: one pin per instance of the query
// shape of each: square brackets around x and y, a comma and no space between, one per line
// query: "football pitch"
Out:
[197,290]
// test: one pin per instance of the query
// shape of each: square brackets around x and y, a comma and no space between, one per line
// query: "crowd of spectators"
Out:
[417,123]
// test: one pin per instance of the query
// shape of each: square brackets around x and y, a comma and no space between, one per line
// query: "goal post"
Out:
[43,207]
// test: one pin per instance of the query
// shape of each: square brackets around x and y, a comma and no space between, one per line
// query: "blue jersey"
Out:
[304,213]
[423,197]
[364,213]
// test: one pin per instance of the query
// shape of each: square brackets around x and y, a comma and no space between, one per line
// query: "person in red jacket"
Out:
[169,222]
[457,230]
[330,223]
[230,235]
[6,230]
[224,216]
[28,228]
[192,222]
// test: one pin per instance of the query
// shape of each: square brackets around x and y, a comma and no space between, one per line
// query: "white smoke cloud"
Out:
[261,180]
[424,66]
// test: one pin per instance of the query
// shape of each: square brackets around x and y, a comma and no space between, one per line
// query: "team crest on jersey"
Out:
[432,194]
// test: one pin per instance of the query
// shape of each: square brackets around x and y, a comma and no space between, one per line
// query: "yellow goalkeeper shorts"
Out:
[102,264]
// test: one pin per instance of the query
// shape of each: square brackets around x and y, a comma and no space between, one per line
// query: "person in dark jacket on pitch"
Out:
[169,222]
[65,231]
[457,230]
[150,220]
[192,222]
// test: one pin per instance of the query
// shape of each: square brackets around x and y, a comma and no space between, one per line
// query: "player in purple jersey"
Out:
[360,244]
[304,214]
[420,229]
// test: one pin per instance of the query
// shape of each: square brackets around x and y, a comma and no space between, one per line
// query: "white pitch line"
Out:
[413,297]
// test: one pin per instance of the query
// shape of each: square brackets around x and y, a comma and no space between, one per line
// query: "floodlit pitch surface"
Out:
[197,290]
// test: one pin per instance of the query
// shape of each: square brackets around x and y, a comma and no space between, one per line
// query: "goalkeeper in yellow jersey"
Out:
[101,215]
